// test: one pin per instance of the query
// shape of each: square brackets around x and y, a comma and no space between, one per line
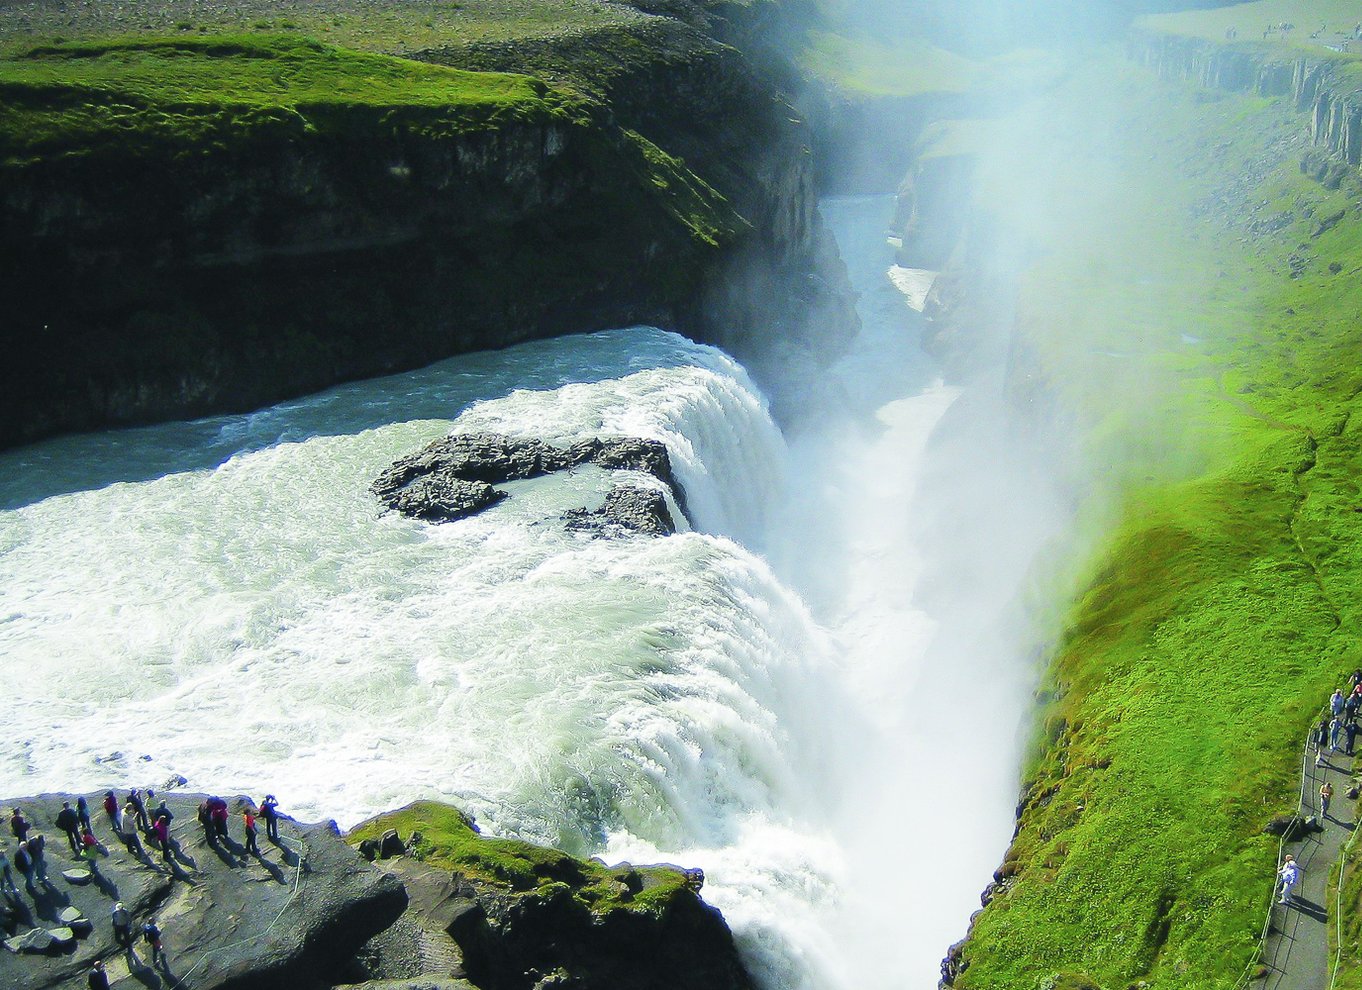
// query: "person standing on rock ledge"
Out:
[152,934]
[248,820]
[69,822]
[112,809]
[18,825]
[36,845]
[161,830]
[140,808]
[122,925]
[269,810]
[98,979]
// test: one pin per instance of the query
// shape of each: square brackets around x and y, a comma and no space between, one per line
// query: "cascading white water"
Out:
[221,599]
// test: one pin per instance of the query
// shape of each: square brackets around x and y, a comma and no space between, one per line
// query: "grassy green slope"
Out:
[1222,604]
[187,92]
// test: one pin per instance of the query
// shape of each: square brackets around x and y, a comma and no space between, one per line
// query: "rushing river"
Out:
[795,695]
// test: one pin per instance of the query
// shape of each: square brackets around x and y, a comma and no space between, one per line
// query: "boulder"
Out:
[390,845]
[75,920]
[76,876]
[452,477]
[1289,827]
[627,510]
[34,941]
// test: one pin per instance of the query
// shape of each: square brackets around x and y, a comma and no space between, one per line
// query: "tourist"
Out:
[152,934]
[206,822]
[7,877]
[122,925]
[129,817]
[1336,702]
[161,810]
[36,849]
[69,822]
[161,832]
[1288,876]
[248,819]
[23,862]
[1350,734]
[217,812]
[1350,708]
[129,836]
[139,809]
[1335,733]
[114,811]
[89,845]
[1326,794]
[269,810]
[98,979]
[83,813]
[19,825]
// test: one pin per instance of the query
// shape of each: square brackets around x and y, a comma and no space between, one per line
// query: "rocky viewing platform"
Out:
[440,906]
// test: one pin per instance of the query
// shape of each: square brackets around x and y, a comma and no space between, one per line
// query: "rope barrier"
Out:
[178,981]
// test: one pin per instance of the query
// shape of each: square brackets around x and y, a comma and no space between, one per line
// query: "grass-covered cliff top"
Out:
[369,25]
[448,841]
[190,92]
[1194,299]
[1332,21]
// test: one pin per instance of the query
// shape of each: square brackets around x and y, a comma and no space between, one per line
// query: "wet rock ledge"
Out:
[453,478]
[440,907]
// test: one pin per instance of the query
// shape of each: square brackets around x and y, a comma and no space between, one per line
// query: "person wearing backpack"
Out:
[152,934]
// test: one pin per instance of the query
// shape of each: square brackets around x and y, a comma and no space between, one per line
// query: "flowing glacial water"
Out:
[811,692]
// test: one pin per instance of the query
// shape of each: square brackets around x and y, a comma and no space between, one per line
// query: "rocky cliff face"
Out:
[778,296]
[1317,84]
[308,913]
[234,274]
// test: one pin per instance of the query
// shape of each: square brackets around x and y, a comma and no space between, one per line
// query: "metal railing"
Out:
[1255,960]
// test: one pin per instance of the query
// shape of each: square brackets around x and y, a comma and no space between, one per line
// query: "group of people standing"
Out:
[130,819]
[1336,732]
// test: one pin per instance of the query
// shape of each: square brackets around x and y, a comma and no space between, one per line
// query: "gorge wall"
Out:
[1316,83]
[294,249]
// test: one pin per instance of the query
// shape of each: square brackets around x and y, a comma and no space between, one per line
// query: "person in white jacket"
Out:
[1288,876]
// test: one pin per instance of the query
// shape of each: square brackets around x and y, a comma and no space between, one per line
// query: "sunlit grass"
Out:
[1222,603]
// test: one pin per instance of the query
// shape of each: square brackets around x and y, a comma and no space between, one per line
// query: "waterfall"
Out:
[222,599]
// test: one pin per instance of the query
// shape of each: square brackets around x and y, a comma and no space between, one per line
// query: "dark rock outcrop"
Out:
[287,920]
[524,918]
[452,478]
[627,509]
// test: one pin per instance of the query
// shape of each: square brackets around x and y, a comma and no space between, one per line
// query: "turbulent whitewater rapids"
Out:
[224,600]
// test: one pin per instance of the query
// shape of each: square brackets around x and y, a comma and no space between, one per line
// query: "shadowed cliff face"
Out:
[222,277]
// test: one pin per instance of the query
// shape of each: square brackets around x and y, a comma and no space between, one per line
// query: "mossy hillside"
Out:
[1217,393]
[521,868]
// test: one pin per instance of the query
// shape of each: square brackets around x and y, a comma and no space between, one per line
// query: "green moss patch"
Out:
[448,841]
